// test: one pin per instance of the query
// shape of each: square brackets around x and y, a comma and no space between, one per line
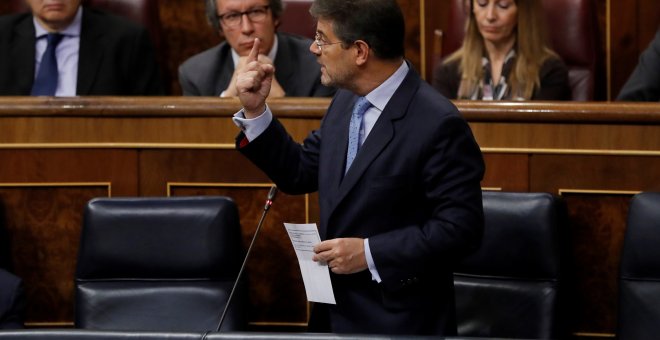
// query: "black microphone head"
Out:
[272,193]
[271,197]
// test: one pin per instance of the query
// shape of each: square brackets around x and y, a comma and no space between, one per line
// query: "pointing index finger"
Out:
[254,53]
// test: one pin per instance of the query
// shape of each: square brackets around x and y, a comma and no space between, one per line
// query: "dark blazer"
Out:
[413,190]
[553,75]
[644,82]
[12,303]
[209,73]
[116,56]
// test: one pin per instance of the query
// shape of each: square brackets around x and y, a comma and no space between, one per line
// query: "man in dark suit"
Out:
[97,54]
[213,72]
[644,82]
[12,304]
[399,183]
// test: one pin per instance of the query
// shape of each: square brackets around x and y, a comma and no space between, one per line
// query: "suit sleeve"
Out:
[187,86]
[554,81]
[451,177]
[12,302]
[291,166]
[644,82]
[446,79]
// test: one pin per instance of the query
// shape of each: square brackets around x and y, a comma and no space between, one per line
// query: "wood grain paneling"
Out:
[506,172]
[43,192]
[596,234]
[43,223]
[597,190]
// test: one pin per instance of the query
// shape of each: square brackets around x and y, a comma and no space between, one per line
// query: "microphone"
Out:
[269,202]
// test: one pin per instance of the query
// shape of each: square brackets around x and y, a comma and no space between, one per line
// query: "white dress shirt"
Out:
[67,53]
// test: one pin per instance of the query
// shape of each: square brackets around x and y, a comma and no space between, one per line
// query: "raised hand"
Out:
[254,82]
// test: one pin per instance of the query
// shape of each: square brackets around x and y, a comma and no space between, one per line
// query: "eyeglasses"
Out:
[318,41]
[256,14]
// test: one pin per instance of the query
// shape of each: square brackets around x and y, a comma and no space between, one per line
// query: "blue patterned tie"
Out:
[45,83]
[354,129]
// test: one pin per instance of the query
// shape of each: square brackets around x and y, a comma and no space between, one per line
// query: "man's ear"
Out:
[362,52]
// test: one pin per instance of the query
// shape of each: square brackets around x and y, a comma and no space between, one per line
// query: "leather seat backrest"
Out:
[159,264]
[296,19]
[512,286]
[639,279]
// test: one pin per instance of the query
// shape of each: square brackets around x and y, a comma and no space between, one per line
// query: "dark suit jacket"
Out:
[116,56]
[209,73]
[553,75]
[413,190]
[644,82]
[12,304]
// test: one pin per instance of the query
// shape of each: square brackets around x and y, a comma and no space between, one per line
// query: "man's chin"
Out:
[325,80]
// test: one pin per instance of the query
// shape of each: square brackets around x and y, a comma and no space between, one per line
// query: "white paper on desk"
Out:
[315,274]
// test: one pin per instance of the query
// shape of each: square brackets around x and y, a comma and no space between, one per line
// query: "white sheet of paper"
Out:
[316,275]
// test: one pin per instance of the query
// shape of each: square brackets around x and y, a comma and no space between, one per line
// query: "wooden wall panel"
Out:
[506,172]
[43,193]
[597,226]
[157,168]
[597,190]
[43,222]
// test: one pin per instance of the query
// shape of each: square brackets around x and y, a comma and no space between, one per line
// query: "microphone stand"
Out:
[269,202]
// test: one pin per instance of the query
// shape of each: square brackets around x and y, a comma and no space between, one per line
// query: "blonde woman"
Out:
[504,56]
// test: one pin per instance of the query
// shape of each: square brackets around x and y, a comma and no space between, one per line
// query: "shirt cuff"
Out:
[370,262]
[254,127]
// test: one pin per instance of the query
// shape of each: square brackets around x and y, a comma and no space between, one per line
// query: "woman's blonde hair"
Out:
[531,52]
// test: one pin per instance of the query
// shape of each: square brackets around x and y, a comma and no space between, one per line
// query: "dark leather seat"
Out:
[639,280]
[159,264]
[573,34]
[512,286]
[296,19]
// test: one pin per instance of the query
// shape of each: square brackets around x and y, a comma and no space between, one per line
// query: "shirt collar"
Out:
[382,94]
[271,54]
[72,30]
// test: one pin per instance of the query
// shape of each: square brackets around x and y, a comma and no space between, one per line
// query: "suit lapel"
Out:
[380,136]
[23,55]
[334,157]
[91,53]
[225,69]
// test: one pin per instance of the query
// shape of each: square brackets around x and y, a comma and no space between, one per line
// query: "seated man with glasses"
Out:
[213,72]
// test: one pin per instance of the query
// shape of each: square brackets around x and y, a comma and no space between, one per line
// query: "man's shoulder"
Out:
[8,280]
[428,102]
[9,21]
[206,60]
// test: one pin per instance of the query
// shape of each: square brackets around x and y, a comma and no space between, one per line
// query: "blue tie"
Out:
[354,129]
[45,83]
